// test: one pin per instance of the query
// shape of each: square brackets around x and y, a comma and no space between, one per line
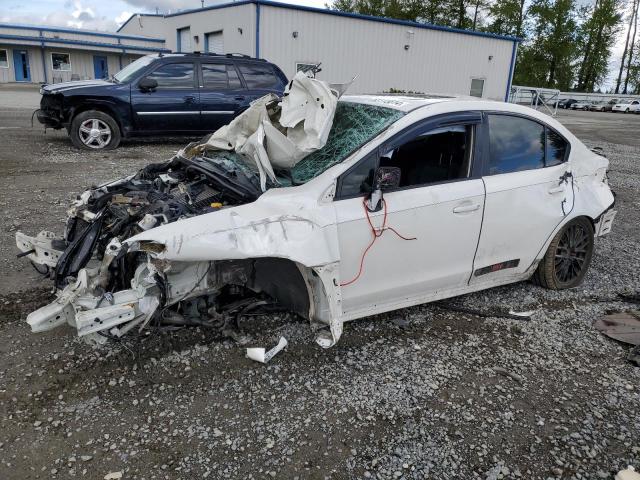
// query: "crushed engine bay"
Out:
[107,286]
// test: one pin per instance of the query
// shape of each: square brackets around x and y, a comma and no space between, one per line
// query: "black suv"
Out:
[177,94]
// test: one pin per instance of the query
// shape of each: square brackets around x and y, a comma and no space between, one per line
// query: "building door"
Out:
[184,40]
[100,67]
[21,65]
[214,43]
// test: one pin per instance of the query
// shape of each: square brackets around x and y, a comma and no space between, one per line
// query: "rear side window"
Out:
[557,149]
[259,76]
[174,75]
[220,76]
[516,144]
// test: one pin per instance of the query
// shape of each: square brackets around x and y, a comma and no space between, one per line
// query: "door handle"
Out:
[189,99]
[557,189]
[239,97]
[466,208]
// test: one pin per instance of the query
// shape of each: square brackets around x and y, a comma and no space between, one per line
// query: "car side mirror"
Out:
[147,84]
[385,178]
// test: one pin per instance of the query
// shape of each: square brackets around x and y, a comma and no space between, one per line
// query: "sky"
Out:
[108,15]
[96,14]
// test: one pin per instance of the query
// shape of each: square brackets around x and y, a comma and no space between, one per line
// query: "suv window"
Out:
[518,144]
[436,155]
[218,76]
[174,75]
[259,76]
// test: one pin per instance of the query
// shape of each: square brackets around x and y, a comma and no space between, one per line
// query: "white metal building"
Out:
[385,54]
[32,54]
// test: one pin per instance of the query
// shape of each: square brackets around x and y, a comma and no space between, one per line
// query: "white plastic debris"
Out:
[526,314]
[628,474]
[306,116]
[258,354]
[113,476]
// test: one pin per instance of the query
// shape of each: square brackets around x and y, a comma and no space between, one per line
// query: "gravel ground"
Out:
[419,393]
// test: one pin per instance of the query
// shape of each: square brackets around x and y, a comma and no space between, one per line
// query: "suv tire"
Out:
[94,130]
[568,257]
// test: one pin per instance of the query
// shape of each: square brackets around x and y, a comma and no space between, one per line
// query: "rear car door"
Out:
[528,195]
[260,79]
[174,106]
[222,95]
[439,203]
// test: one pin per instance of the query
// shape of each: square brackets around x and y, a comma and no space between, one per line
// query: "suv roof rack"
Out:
[227,55]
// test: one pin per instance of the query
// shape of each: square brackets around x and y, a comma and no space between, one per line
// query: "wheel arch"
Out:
[100,107]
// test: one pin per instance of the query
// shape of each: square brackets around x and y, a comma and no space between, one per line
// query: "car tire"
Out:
[94,130]
[568,257]
[626,111]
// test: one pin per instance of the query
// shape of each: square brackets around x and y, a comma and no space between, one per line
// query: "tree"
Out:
[546,59]
[596,38]
[507,17]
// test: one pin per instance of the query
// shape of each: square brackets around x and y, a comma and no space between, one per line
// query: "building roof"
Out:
[22,26]
[34,35]
[326,11]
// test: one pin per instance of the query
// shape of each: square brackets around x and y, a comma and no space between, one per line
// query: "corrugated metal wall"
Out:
[436,61]
[229,20]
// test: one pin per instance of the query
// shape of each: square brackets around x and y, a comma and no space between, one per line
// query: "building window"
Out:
[306,68]
[61,62]
[4,59]
[184,39]
[477,87]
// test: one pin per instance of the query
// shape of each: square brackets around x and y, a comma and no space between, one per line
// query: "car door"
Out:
[437,208]
[173,106]
[527,195]
[222,95]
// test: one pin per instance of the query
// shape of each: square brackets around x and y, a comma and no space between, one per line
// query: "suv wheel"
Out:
[568,257]
[94,130]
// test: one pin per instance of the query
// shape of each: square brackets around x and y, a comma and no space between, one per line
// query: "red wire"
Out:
[377,233]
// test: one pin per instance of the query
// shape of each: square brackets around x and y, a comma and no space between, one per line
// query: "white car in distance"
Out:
[411,200]
[627,106]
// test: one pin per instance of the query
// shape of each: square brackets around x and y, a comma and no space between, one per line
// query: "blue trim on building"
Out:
[78,31]
[178,42]
[47,41]
[138,14]
[357,16]
[257,30]
[511,69]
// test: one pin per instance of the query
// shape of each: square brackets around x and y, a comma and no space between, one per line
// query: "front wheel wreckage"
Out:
[208,294]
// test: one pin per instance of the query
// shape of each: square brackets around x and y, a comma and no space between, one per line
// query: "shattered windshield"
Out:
[354,124]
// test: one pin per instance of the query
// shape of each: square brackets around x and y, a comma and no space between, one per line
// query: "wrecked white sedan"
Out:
[399,201]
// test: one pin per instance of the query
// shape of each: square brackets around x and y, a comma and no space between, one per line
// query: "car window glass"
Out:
[220,76]
[259,76]
[360,179]
[556,148]
[515,144]
[174,75]
[437,155]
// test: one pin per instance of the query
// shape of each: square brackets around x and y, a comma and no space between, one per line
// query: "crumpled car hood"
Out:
[259,229]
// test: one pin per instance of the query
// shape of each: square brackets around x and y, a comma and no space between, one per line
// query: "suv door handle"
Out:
[189,99]
[240,97]
[466,208]
[557,189]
